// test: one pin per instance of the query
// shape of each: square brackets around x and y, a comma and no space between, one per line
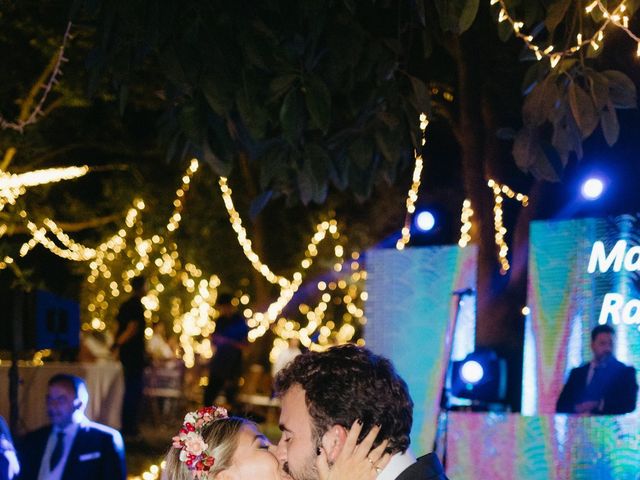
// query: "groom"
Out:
[323,394]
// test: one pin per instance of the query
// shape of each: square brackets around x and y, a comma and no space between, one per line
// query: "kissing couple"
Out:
[345,415]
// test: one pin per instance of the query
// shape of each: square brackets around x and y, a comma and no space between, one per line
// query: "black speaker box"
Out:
[44,321]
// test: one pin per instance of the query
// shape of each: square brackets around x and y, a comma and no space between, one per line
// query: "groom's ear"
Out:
[333,440]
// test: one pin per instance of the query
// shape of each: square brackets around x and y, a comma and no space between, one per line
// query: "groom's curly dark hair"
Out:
[346,383]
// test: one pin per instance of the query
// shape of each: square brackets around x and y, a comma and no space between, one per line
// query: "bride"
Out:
[213,446]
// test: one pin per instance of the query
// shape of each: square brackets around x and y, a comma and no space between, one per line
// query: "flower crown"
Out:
[193,448]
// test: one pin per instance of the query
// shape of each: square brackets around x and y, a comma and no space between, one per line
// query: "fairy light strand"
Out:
[617,18]
[499,191]
[14,185]
[412,194]
[465,220]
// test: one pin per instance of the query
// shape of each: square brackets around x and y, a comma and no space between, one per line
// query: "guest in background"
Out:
[131,346]
[230,338]
[9,466]
[72,447]
[604,386]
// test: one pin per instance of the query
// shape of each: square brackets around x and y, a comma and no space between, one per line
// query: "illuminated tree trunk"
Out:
[500,298]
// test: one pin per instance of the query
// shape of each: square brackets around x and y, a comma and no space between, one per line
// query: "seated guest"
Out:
[9,466]
[604,386]
[72,447]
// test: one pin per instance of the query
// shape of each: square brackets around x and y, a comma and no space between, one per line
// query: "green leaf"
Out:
[622,90]
[599,89]
[456,15]
[468,15]
[583,109]
[305,186]
[222,166]
[217,88]
[360,153]
[556,13]
[318,100]
[539,104]
[530,157]
[339,172]
[273,166]
[191,122]
[386,147]
[609,124]
[281,85]
[253,113]
[505,31]
[292,116]
[319,162]
[421,99]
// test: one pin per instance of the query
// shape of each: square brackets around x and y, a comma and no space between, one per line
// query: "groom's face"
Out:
[296,450]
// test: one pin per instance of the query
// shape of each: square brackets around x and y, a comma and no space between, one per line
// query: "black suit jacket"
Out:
[620,395]
[427,467]
[97,453]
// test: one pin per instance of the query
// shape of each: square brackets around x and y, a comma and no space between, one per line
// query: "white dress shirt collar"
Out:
[398,464]
[70,432]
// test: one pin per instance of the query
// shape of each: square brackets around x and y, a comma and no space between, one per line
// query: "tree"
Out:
[316,92]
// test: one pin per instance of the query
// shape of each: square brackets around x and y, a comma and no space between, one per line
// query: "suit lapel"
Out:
[38,451]
[74,453]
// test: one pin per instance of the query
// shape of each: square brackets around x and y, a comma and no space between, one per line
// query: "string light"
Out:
[53,80]
[465,219]
[14,185]
[412,195]
[261,321]
[345,291]
[500,230]
[245,243]
[616,18]
[152,473]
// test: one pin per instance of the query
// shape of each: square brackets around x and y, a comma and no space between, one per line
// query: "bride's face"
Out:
[252,459]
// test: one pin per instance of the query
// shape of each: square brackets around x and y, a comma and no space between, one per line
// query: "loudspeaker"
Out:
[43,320]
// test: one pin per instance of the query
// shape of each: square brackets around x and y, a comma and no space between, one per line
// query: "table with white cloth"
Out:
[105,382]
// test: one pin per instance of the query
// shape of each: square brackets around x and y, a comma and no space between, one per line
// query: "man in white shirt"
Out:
[323,393]
[72,447]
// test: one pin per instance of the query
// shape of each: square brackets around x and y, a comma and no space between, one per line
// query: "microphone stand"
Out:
[445,395]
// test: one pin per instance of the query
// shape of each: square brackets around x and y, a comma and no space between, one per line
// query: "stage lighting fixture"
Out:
[471,372]
[425,221]
[481,376]
[592,188]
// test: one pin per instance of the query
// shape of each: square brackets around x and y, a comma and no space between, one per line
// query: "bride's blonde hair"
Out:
[221,437]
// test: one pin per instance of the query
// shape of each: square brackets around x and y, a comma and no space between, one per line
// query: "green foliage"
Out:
[573,99]
[293,84]
[573,102]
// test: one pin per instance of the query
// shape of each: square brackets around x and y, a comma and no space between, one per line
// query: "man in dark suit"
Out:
[604,386]
[72,447]
[323,393]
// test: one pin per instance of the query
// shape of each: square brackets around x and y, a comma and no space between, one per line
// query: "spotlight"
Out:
[481,376]
[592,188]
[425,221]
[471,372]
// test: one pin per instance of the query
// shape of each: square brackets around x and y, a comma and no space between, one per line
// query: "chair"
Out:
[164,387]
